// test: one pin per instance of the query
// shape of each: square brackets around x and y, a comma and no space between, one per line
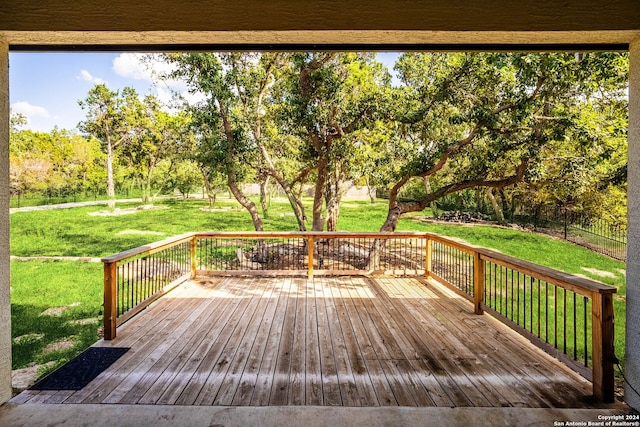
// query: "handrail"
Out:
[148,249]
[319,234]
[491,280]
[577,284]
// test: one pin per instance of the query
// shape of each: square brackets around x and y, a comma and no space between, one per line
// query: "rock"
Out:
[22,379]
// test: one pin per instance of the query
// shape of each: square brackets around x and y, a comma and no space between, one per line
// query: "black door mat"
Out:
[79,372]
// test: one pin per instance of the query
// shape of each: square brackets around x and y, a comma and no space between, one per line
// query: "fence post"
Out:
[194,246]
[110,300]
[428,267]
[310,258]
[602,346]
[478,282]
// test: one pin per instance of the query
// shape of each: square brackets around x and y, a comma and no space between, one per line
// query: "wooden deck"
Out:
[344,341]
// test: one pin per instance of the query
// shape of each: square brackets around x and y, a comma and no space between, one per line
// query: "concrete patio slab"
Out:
[72,415]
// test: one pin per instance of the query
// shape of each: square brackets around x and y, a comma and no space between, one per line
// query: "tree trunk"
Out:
[207,188]
[146,192]
[111,190]
[507,208]
[294,200]
[370,191]
[333,213]
[245,202]
[333,197]
[231,178]
[427,186]
[318,199]
[264,194]
[298,210]
[494,204]
[396,209]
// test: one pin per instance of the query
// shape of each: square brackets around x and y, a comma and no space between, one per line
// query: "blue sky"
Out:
[46,87]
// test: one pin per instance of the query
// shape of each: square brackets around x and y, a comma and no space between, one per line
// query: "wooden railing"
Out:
[135,278]
[567,316]
[288,253]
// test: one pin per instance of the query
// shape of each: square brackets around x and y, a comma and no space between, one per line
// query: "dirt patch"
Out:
[57,311]
[140,232]
[22,379]
[55,258]
[599,273]
[87,321]
[28,337]
[471,223]
[225,209]
[63,344]
[126,211]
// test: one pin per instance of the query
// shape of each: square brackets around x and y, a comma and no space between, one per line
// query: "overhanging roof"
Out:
[318,22]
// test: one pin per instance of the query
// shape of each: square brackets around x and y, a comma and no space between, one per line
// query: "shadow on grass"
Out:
[36,331]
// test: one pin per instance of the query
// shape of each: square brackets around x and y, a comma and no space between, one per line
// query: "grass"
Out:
[73,232]
[35,199]
[38,286]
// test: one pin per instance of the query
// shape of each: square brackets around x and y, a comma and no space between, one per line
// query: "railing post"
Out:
[310,258]
[110,300]
[428,258]
[194,246]
[602,346]
[478,283]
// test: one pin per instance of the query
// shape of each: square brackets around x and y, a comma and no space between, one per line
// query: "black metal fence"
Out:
[596,234]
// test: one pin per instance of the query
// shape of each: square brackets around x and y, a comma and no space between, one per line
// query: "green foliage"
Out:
[113,118]
[111,115]
[471,120]
[161,136]
[544,129]
[328,104]
[57,162]
[185,177]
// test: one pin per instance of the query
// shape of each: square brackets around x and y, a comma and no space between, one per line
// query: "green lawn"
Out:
[74,232]
[73,290]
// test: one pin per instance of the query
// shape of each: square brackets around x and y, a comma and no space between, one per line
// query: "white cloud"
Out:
[38,118]
[30,111]
[165,96]
[85,75]
[148,67]
[131,65]
[141,66]
[194,98]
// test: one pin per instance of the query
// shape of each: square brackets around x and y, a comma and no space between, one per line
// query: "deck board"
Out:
[266,371]
[343,341]
[237,358]
[189,372]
